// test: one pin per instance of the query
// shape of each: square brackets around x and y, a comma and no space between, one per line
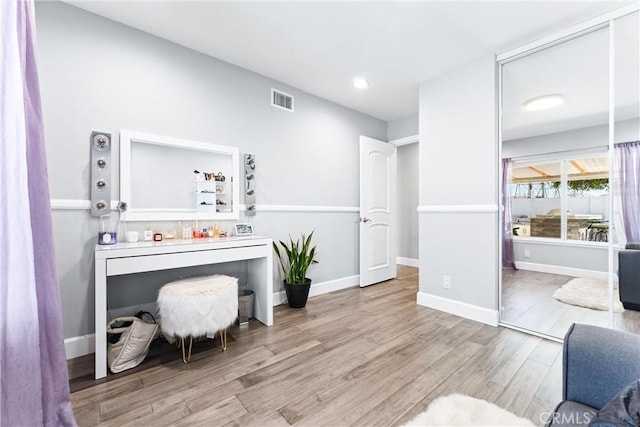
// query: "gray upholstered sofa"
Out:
[598,363]
[629,276]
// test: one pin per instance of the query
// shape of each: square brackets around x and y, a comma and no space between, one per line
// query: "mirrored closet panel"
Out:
[625,181]
[556,192]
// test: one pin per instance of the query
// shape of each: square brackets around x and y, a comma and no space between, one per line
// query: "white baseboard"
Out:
[411,262]
[80,346]
[279,298]
[86,344]
[322,288]
[458,308]
[565,271]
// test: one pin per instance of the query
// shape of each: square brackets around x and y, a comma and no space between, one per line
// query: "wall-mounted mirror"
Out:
[165,179]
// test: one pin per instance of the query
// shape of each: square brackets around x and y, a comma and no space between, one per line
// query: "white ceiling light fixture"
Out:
[360,83]
[544,102]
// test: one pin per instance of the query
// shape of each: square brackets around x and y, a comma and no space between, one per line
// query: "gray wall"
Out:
[458,173]
[408,201]
[402,127]
[582,257]
[577,139]
[98,74]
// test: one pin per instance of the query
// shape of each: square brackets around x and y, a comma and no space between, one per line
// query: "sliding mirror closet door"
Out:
[555,137]
[625,180]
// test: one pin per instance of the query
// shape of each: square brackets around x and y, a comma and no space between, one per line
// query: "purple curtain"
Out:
[628,155]
[507,225]
[33,368]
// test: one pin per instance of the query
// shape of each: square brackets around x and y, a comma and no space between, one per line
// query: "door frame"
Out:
[408,140]
[413,139]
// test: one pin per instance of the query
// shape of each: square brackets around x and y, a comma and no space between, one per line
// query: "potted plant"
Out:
[295,261]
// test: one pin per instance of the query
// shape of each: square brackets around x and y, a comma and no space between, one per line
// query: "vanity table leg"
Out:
[260,279]
[101,318]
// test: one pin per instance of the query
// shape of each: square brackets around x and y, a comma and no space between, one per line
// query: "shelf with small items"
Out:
[223,203]
[206,196]
[213,196]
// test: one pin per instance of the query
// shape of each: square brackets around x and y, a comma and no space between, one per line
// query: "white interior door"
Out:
[377,206]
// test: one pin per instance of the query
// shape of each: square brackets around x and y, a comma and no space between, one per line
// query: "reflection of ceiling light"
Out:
[543,102]
[360,83]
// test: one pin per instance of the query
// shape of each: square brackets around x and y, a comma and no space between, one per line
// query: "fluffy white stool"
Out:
[198,306]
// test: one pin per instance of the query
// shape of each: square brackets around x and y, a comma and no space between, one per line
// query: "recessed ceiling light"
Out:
[360,83]
[543,102]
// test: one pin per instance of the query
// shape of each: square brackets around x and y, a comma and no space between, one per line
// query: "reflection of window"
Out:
[562,199]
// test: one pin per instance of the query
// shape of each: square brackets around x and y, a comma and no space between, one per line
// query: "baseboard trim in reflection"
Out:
[565,271]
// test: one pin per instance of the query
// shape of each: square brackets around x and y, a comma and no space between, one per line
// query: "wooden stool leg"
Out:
[184,358]
[190,345]
[223,340]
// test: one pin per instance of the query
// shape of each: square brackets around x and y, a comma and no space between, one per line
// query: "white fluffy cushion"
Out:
[198,306]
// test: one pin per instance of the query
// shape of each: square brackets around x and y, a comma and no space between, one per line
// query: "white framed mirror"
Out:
[167,179]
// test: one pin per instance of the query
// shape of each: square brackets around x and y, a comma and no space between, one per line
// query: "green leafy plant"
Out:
[578,187]
[296,258]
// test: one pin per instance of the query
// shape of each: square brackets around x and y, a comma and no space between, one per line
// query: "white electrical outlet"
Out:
[527,253]
[446,282]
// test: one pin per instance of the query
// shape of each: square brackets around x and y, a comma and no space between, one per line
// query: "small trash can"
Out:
[245,305]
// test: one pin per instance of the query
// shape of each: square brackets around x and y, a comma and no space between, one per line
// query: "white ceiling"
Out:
[319,47]
[579,70]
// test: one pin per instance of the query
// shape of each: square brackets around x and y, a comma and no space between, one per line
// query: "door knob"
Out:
[365,219]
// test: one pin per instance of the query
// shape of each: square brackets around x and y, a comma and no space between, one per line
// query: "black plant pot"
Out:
[297,293]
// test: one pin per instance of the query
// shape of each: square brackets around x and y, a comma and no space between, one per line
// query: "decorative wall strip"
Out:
[303,208]
[73,204]
[79,204]
[489,208]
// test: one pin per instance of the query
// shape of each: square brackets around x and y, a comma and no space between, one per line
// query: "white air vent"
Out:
[281,100]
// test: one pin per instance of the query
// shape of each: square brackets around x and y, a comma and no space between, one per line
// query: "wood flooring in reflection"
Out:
[527,301]
[362,357]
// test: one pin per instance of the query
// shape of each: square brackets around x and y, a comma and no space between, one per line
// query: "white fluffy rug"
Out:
[589,293]
[461,410]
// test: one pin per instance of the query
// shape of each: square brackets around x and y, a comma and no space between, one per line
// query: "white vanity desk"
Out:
[127,258]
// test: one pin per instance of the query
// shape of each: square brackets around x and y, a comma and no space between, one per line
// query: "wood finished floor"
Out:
[365,357]
[527,298]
